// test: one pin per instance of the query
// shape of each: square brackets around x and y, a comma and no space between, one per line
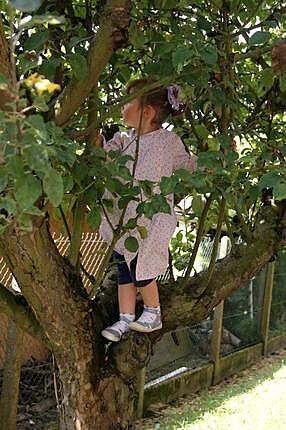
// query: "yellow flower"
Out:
[32,79]
[41,84]
[53,87]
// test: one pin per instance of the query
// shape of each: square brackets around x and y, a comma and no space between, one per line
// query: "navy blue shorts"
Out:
[126,276]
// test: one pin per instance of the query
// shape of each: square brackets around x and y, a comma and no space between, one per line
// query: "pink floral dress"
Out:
[161,152]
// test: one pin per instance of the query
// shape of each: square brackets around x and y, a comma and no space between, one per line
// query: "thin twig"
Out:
[216,241]
[198,237]
[65,222]
[229,231]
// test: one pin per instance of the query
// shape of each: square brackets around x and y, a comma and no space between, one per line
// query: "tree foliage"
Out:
[64,66]
[221,55]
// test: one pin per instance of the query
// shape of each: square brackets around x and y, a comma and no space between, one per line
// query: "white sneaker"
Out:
[115,331]
[149,321]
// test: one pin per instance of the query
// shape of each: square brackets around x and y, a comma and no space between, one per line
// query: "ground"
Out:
[252,400]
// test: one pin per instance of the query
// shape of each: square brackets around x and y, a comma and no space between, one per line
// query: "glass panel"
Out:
[242,315]
[278,308]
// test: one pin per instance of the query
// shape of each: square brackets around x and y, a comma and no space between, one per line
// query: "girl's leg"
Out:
[127,301]
[150,295]
[150,320]
[127,298]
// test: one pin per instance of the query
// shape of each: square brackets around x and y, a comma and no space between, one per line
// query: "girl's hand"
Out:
[99,140]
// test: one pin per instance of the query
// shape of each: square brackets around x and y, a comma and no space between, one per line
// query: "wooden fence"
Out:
[219,366]
[167,387]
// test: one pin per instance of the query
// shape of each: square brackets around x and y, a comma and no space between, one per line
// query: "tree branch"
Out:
[188,304]
[49,284]
[111,35]
[5,66]
[17,309]
[195,301]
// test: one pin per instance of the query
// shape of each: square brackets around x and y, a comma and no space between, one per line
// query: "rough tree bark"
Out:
[99,384]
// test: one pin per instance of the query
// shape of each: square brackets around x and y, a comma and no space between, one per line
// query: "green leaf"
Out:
[270,179]
[9,205]
[202,131]
[123,201]
[124,173]
[42,19]
[28,191]
[213,144]
[114,185]
[279,191]
[259,37]
[138,39]
[276,182]
[26,5]
[131,224]
[34,211]
[142,231]
[26,64]
[182,55]
[168,185]
[160,204]
[94,218]
[68,183]
[15,167]
[147,188]
[53,187]
[204,24]
[209,55]
[40,104]
[36,41]
[108,203]
[131,244]
[26,222]
[36,122]
[267,77]
[49,66]
[79,66]
[183,174]
[198,204]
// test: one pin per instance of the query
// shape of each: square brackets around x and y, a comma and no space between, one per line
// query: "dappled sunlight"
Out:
[254,400]
[258,408]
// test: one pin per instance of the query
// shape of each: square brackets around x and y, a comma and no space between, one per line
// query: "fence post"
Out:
[11,377]
[216,340]
[267,300]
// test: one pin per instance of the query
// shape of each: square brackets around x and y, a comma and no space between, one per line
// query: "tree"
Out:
[63,68]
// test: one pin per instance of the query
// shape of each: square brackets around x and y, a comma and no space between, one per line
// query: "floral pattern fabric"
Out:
[161,153]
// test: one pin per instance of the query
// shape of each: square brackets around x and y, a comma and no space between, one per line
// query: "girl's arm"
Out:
[182,158]
[113,144]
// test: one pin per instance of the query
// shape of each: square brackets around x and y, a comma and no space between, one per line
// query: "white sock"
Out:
[129,317]
[156,308]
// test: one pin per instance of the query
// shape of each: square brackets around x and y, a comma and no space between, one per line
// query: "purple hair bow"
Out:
[174,97]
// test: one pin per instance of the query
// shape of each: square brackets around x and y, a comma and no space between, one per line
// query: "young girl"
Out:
[161,152]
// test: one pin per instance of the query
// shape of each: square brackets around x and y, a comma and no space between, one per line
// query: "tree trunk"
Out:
[99,381]
[98,384]
[108,399]
[11,377]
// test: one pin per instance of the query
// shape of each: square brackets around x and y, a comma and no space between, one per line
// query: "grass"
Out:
[253,400]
